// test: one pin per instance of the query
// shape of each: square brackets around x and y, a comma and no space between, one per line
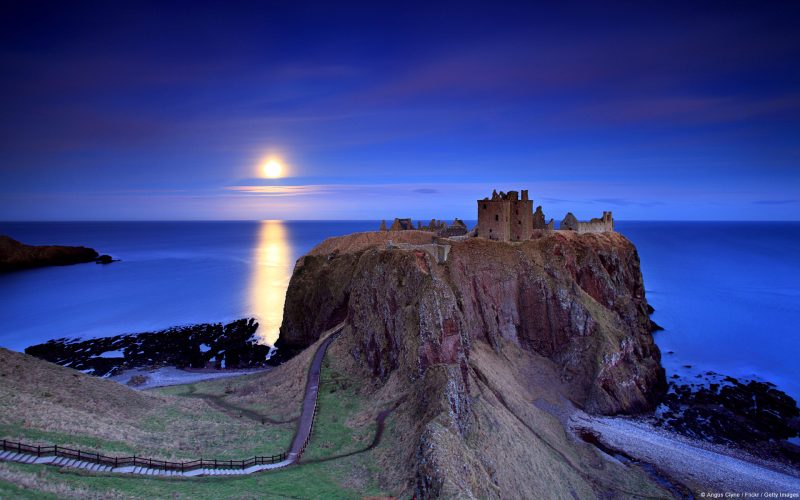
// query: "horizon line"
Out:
[28,221]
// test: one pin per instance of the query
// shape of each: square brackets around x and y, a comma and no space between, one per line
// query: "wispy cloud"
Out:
[776,202]
[621,202]
[280,190]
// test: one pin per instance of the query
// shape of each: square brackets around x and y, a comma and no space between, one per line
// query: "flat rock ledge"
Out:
[231,346]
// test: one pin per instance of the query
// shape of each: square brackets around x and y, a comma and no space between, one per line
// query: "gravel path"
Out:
[713,468]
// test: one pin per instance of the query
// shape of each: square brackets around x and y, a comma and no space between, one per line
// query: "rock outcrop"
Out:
[470,344]
[15,255]
[207,345]
[576,299]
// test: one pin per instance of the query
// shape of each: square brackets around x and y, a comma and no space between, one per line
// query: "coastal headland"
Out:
[489,344]
[463,364]
[15,256]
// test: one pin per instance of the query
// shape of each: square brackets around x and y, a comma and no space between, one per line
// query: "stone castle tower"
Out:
[506,217]
[510,217]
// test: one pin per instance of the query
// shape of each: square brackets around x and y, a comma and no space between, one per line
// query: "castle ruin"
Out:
[601,225]
[440,227]
[506,217]
[510,217]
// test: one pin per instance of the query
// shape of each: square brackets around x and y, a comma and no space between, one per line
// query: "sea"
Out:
[726,293]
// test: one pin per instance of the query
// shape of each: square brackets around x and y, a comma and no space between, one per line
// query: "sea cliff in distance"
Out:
[15,256]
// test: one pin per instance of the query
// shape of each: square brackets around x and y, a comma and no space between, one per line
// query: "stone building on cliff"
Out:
[506,216]
[510,217]
[440,227]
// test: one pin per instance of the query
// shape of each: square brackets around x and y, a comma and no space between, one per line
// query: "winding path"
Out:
[304,427]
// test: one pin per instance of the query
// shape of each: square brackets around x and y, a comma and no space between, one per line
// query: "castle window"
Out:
[496,217]
[519,222]
[484,206]
[518,211]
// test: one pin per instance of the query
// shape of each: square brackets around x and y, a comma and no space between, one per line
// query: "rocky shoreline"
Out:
[16,256]
[750,415]
[754,416]
[218,346]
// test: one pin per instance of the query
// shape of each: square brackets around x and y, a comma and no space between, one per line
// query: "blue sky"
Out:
[681,110]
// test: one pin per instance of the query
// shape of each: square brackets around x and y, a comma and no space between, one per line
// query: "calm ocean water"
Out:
[728,294]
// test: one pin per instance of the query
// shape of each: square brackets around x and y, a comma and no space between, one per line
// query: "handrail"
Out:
[134,461]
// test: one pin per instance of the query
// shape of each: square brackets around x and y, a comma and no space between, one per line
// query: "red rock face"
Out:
[575,299]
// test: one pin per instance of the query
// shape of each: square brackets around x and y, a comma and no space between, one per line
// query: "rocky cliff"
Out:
[472,343]
[15,255]
[576,299]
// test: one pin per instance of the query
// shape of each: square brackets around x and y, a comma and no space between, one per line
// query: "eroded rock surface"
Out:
[575,299]
[471,343]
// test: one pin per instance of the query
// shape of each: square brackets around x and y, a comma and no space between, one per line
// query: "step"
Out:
[4,454]
[137,470]
[70,462]
[29,459]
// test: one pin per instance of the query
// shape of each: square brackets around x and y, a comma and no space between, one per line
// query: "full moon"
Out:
[272,169]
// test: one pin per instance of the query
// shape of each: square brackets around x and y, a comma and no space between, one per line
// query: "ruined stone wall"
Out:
[521,214]
[605,224]
[493,219]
